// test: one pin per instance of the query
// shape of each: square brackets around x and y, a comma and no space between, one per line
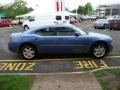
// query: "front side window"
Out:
[64,31]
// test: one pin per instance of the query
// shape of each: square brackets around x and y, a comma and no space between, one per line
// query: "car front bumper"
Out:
[13,48]
[110,47]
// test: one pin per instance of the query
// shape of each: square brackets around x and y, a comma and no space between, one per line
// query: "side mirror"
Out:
[77,34]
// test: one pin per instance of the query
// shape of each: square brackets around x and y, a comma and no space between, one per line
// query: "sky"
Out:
[71,4]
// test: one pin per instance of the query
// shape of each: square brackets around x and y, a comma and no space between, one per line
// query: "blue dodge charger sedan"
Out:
[59,39]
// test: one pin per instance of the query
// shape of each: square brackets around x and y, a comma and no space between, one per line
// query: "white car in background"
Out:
[45,19]
[101,24]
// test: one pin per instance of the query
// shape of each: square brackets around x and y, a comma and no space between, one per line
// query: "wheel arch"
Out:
[100,42]
[25,26]
[27,43]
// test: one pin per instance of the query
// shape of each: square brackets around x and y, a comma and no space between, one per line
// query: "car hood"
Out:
[100,36]
[97,22]
[16,34]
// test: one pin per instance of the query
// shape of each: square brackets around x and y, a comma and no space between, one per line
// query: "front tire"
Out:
[26,28]
[110,28]
[105,26]
[99,51]
[28,52]
[95,27]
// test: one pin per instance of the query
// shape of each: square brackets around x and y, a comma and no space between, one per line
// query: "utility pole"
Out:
[76,6]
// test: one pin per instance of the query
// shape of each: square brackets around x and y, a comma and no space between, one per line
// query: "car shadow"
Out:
[62,56]
[49,56]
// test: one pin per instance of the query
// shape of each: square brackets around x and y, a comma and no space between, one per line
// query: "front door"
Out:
[67,42]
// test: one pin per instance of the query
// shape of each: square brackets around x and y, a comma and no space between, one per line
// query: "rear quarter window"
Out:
[45,32]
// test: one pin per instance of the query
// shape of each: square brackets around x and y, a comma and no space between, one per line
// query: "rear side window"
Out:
[64,31]
[66,17]
[46,32]
[58,18]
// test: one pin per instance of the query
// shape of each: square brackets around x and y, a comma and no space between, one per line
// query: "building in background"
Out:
[101,10]
[108,10]
[2,15]
[60,5]
[113,10]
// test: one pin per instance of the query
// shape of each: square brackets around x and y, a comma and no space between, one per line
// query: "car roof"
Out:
[48,25]
[55,25]
[52,25]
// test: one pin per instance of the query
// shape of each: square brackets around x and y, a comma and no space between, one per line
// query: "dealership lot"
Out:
[57,63]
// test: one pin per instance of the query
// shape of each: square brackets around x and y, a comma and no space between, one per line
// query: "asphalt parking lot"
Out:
[11,63]
[76,65]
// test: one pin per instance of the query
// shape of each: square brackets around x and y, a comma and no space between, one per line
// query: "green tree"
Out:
[66,9]
[73,11]
[2,9]
[88,8]
[80,10]
[18,7]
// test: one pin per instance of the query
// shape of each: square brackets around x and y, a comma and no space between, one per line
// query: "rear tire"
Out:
[95,27]
[99,50]
[28,52]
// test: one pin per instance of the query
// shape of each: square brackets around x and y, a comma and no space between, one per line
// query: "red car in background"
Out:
[5,23]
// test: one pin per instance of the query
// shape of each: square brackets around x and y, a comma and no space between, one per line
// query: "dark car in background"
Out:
[114,24]
[5,23]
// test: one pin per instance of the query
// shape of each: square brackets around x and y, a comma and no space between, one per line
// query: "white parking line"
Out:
[57,73]
[105,68]
[5,27]
[112,57]
[61,73]
[67,59]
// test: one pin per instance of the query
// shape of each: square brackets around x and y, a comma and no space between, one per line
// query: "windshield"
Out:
[102,20]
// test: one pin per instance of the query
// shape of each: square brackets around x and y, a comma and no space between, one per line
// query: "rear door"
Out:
[46,40]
